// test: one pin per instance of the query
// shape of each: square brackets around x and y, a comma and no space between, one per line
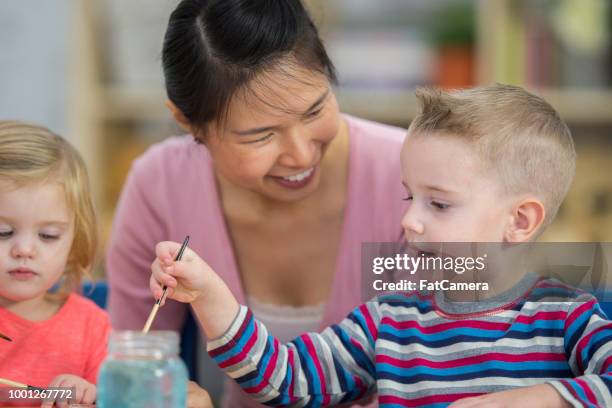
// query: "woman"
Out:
[275,187]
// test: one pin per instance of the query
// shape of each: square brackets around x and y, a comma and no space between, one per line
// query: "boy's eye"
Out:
[6,234]
[440,206]
[261,139]
[48,237]
[409,198]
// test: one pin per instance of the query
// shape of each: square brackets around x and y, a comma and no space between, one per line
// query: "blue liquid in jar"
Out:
[142,371]
[142,384]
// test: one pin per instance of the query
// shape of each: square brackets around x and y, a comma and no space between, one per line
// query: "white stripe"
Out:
[382,345]
[598,358]
[472,383]
[230,332]
[347,359]
[596,382]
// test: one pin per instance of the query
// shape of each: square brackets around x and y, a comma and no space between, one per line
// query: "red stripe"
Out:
[484,325]
[369,322]
[466,361]
[272,363]
[584,342]
[315,360]
[606,366]
[587,390]
[557,315]
[356,344]
[430,399]
[228,346]
[571,318]
[411,324]
[243,353]
[359,385]
[267,374]
[291,362]
[257,388]
[571,389]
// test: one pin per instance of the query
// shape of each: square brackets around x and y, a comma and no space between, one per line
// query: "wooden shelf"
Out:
[133,104]
[576,106]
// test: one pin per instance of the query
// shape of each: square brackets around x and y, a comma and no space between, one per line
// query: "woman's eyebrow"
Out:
[254,131]
[263,129]
[318,102]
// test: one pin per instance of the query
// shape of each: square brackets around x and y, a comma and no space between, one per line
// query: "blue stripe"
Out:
[426,341]
[602,337]
[284,385]
[442,379]
[312,377]
[423,306]
[360,320]
[542,366]
[483,333]
[237,348]
[362,359]
[249,380]
[576,329]
[578,391]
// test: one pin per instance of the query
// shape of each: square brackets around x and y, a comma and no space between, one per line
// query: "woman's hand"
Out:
[186,279]
[85,392]
[197,397]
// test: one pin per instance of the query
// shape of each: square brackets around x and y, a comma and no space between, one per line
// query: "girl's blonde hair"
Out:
[29,154]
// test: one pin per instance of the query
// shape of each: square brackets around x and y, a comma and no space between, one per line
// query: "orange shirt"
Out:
[73,341]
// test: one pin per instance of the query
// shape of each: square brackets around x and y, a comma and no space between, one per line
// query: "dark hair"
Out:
[214,48]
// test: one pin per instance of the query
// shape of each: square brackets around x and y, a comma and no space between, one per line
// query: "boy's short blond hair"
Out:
[34,154]
[519,137]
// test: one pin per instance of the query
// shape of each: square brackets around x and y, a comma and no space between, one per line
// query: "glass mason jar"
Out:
[142,370]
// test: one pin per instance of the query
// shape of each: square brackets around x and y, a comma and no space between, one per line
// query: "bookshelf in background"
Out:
[383,49]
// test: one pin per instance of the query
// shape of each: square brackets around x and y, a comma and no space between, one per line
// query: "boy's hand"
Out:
[85,392]
[186,279]
[191,280]
[542,395]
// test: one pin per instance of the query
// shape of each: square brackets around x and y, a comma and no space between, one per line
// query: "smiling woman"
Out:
[275,186]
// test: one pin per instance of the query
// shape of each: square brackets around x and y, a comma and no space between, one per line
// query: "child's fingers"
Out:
[47,404]
[89,395]
[163,274]
[79,391]
[157,290]
[166,251]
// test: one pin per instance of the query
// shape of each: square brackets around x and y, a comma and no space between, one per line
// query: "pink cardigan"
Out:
[170,192]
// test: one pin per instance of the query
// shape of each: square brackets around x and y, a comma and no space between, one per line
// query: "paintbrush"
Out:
[19,385]
[5,337]
[159,301]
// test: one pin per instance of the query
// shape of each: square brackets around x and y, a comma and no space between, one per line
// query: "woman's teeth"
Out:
[301,176]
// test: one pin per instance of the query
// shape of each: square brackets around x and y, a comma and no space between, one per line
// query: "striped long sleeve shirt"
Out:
[419,349]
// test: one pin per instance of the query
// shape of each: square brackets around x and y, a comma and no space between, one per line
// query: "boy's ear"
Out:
[526,219]
[179,117]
